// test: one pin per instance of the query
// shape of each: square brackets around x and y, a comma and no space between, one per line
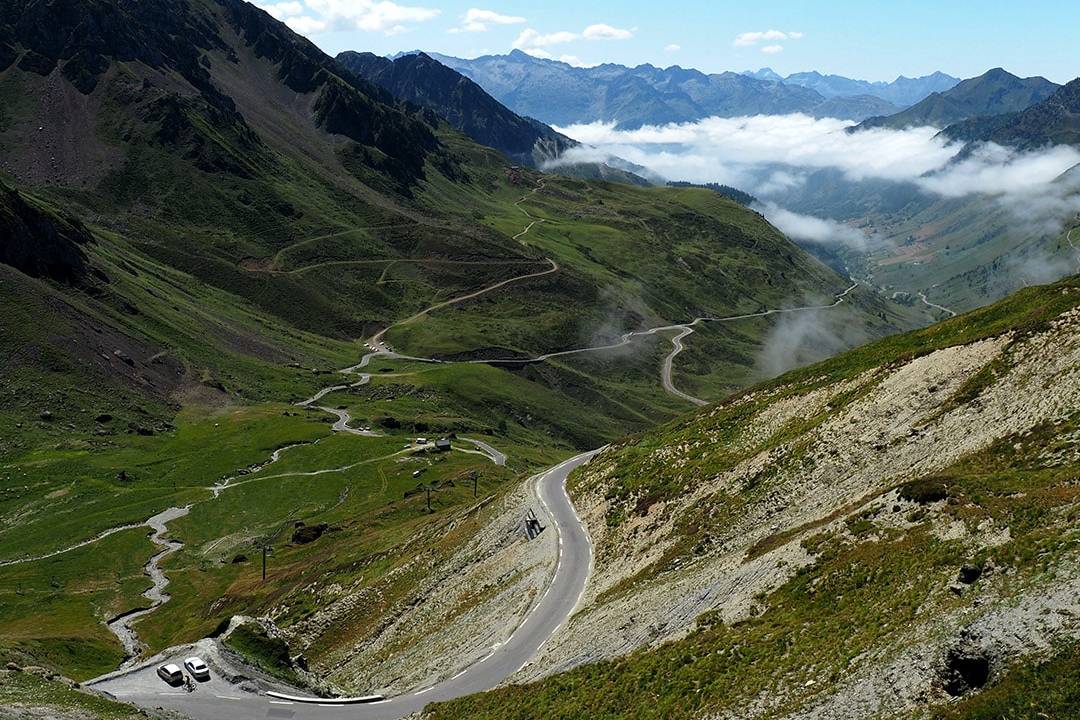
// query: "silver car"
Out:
[197,668]
[171,674]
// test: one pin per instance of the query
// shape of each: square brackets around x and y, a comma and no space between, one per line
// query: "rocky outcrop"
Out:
[423,81]
[40,242]
[465,603]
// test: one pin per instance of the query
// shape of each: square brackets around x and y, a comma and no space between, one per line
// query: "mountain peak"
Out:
[997,73]
[995,92]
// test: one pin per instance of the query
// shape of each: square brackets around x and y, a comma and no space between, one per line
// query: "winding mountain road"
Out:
[377,338]
[1076,250]
[221,700]
[684,330]
[934,305]
[669,361]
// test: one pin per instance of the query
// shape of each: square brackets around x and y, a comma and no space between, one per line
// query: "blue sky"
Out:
[874,41]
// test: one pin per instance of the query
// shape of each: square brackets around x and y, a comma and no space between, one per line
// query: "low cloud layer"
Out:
[800,339]
[769,155]
[813,229]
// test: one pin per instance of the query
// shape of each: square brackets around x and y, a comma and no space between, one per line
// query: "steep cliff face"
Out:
[423,81]
[876,534]
[172,65]
[38,242]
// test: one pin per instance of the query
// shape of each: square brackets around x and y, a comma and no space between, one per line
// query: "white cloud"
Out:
[749,39]
[529,38]
[477,20]
[732,145]
[673,47]
[1046,210]
[813,229]
[767,154]
[996,170]
[568,59]
[606,32]
[306,25]
[282,10]
[772,49]
[371,15]
[779,181]
[573,60]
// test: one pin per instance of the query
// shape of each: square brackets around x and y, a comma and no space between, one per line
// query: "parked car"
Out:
[171,674]
[197,668]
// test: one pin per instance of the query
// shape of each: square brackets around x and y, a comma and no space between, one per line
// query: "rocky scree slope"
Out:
[882,534]
[465,600]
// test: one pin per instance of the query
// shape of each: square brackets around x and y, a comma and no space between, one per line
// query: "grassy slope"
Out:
[965,253]
[30,693]
[270,655]
[854,594]
[209,371]
[632,256]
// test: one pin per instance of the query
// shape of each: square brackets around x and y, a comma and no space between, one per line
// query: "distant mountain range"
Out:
[995,92]
[561,94]
[1053,121]
[425,82]
[902,92]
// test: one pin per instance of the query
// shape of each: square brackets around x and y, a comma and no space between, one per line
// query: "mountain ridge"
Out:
[902,92]
[420,79]
[561,94]
[1054,120]
[995,92]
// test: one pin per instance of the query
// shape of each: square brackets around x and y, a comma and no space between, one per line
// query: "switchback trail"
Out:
[377,338]
[533,220]
[1076,250]
[684,330]
[405,261]
[121,626]
[546,617]
[665,372]
[922,296]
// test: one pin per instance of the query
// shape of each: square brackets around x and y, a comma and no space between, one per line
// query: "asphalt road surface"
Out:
[669,362]
[221,700]
[497,457]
